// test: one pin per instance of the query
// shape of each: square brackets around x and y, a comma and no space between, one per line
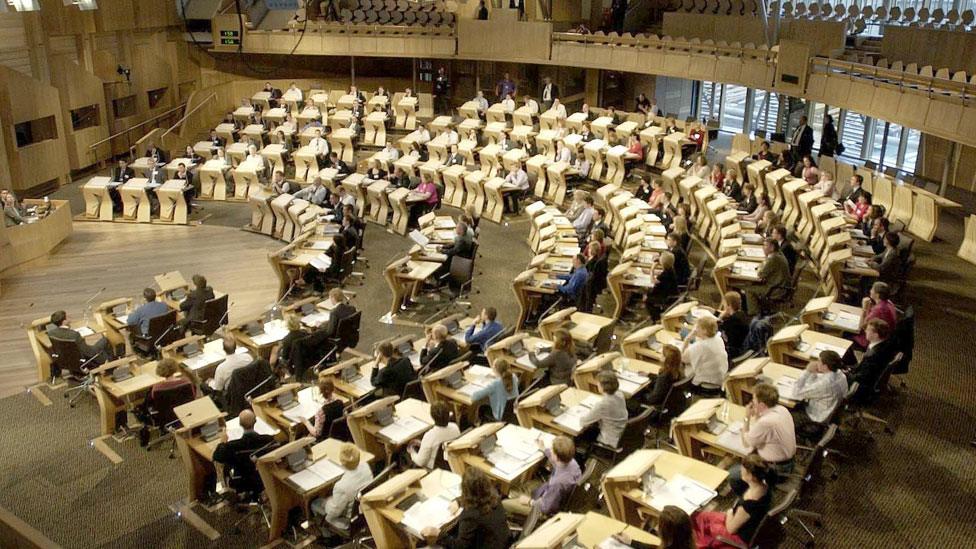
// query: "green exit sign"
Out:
[230,41]
[229,34]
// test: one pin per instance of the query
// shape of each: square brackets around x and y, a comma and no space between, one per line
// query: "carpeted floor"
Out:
[915,488]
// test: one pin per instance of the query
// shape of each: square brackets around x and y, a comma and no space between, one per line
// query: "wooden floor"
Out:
[124,258]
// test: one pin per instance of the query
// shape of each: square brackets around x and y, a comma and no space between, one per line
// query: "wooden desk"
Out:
[585,328]
[290,421]
[172,204]
[730,271]
[634,375]
[261,344]
[648,343]
[284,493]
[351,389]
[113,327]
[98,203]
[135,201]
[622,485]
[406,113]
[213,182]
[384,518]
[799,345]
[412,420]
[829,316]
[436,388]
[405,277]
[745,376]
[531,410]
[515,459]
[117,396]
[694,440]
[22,243]
[589,530]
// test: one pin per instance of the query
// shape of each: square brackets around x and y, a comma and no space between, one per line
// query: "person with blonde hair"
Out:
[501,389]
[703,350]
[338,508]
[549,496]
[559,364]
[282,353]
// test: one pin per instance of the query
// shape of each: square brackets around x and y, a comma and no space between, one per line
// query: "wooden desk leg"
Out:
[107,408]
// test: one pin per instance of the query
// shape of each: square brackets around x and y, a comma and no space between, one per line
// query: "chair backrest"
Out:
[164,400]
[676,402]
[904,337]
[633,436]
[339,429]
[530,521]
[461,271]
[817,456]
[160,333]
[882,381]
[413,389]
[587,296]
[244,380]
[66,356]
[214,316]
[579,499]
[347,332]
[769,520]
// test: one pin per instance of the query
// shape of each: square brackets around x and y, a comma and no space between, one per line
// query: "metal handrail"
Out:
[139,125]
[187,115]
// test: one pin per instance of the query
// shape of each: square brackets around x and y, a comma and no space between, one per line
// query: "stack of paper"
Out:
[682,492]
[612,543]
[821,347]
[323,245]
[848,321]
[403,429]
[316,319]
[786,387]
[572,418]
[752,252]
[315,475]
[304,411]
[732,440]
[85,331]
[321,262]
[124,319]
[434,512]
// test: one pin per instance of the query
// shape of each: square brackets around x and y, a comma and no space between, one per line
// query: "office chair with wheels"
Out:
[631,439]
[160,334]
[773,519]
[214,316]
[457,281]
[160,405]
[586,492]
[861,403]
[358,532]
[346,337]
[66,357]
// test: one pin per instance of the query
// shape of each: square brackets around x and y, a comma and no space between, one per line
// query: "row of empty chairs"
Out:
[641,40]
[926,71]
[398,12]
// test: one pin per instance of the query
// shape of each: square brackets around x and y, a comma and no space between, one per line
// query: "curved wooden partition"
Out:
[22,243]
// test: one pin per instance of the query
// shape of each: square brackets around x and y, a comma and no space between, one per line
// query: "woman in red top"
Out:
[862,207]
[718,176]
[424,199]
[877,305]
[635,151]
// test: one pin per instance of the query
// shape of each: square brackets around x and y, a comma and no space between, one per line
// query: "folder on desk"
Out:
[317,474]
[321,262]
[433,512]
[419,238]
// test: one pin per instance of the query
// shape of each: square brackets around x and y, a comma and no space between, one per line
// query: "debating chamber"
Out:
[487,274]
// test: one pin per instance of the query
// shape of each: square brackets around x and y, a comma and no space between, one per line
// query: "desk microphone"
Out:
[227,312]
[92,298]
[161,336]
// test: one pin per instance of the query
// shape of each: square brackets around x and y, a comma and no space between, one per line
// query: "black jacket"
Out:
[196,300]
[735,328]
[659,391]
[60,332]
[869,370]
[235,455]
[477,530]
[682,269]
[340,312]
[394,377]
[287,345]
[463,246]
[665,288]
[242,381]
[790,253]
[441,355]
[126,174]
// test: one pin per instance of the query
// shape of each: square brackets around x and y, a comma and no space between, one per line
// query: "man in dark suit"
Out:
[462,246]
[548,93]
[801,143]
[216,141]
[455,158]
[774,277]
[440,349]
[682,269]
[194,303]
[274,94]
[341,311]
[189,191]
[785,246]
[59,329]
[391,374]
[236,456]
[122,172]
[881,350]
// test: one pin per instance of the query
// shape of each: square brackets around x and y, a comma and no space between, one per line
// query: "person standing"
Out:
[828,137]
[442,92]
[548,94]
[801,143]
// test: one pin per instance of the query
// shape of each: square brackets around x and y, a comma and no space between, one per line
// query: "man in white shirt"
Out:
[315,193]
[482,102]
[549,94]
[822,386]
[321,148]
[558,108]
[423,135]
[345,197]
[768,429]
[518,179]
[563,154]
[585,218]
[707,359]
[531,104]
[294,93]
[233,362]
[452,137]
[391,152]
[424,453]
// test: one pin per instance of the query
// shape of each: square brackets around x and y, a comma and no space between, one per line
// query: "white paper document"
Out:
[403,429]
[730,439]
[321,262]
[682,492]
[433,512]
[261,427]
[315,475]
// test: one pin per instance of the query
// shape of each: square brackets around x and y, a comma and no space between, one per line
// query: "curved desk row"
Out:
[22,243]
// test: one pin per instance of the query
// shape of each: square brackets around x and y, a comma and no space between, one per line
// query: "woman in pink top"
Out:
[877,305]
[426,199]
[810,172]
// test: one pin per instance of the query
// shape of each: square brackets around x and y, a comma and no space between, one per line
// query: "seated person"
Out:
[665,289]
[610,411]
[560,362]
[748,203]
[483,332]
[60,328]
[426,200]
[878,355]
[774,278]
[339,508]
[821,386]
[236,456]
[330,411]
[391,372]
[888,263]
[763,205]
[13,214]
[500,390]
[140,317]
[877,305]
[583,221]
[233,361]
[703,351]
[670,373]
[740,522]
[482,523]
[682,269]
[341,309]
[733,322]
[439,349]
[768,429]
[549,496]
[169,371]
[519,180]
[575,281]
[282,353]
[316,193]
[423,453]
[193,305]
[462,246]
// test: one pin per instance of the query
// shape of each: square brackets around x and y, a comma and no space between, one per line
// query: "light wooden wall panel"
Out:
[115,15]
[80,88]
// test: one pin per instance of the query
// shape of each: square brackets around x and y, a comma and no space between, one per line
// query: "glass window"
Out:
[733,108]
[765,111]
[124,106]
[708,102]
[913,141]
[853,133]
[84,117]
[156,96]
[892,146]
